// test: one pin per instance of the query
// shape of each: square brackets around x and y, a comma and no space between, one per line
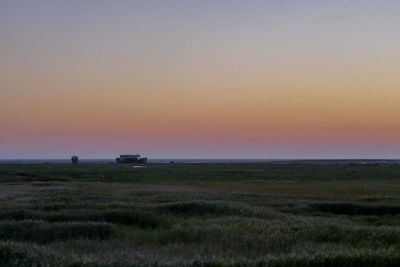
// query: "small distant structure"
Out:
[131,159]
[75,159]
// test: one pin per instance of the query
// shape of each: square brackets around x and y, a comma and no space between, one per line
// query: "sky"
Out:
[200,79]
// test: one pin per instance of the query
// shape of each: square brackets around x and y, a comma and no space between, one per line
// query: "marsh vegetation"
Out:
[280,214]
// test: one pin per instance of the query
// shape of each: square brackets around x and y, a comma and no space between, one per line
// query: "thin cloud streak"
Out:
[331,18]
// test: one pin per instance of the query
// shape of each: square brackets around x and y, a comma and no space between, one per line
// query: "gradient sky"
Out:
[200,79]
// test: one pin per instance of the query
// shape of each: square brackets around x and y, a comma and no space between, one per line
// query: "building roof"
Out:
[130,156]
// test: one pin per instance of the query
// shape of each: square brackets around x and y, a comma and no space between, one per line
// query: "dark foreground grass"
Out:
[357,209]
[42,232]
[308,214]
[143,219]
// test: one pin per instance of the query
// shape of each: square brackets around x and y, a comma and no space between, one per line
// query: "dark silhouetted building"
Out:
[142,160]
[131,159]
[74,159]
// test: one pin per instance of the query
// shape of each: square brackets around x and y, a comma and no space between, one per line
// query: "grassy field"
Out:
[264,214]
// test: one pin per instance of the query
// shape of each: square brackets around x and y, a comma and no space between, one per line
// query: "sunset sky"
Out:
[200,79]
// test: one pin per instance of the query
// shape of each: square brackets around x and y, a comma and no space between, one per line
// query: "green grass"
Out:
[253,214]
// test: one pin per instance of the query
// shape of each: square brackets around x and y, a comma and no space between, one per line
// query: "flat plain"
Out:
[243,214]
